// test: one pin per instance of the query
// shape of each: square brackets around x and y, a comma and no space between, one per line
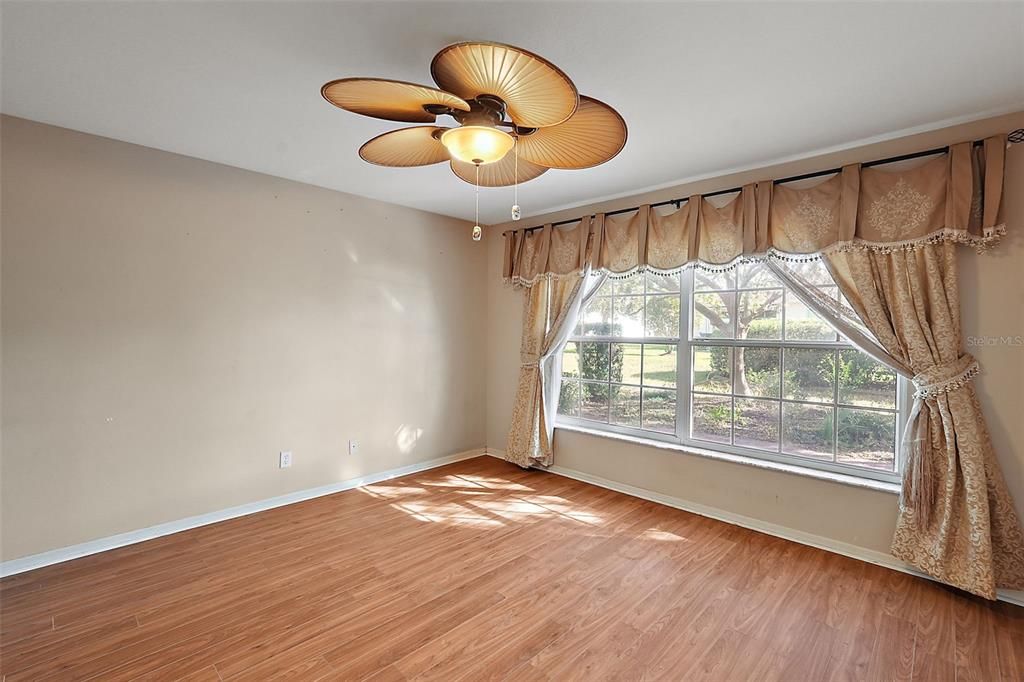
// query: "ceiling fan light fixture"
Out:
[477,144]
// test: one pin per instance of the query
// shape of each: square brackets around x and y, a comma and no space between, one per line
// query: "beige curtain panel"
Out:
[888,238]
[957,521]
[550,310]
[954,197]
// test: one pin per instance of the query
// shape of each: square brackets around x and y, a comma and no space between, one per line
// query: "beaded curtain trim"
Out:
[981,244]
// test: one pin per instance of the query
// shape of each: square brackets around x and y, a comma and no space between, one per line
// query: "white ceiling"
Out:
[703,87]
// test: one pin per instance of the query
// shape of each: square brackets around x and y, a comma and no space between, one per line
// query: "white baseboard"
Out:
[56,556]
[853,551]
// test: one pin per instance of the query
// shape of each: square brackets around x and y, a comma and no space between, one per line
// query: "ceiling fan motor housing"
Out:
[485,110]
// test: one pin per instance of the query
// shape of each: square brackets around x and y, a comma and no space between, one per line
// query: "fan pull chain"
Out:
[477,231]
[516,213]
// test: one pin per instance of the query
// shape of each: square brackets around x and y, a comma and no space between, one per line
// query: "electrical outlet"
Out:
[353,447]
[286,459]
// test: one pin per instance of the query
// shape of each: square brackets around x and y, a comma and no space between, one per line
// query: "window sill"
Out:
[829,476]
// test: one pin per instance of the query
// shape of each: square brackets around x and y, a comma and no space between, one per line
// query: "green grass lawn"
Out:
[659,363]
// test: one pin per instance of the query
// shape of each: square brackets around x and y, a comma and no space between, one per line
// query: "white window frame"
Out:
[684,353]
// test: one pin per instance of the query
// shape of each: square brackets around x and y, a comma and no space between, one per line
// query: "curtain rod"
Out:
[1014,137]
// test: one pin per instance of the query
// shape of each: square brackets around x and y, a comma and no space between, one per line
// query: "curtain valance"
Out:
[954,197]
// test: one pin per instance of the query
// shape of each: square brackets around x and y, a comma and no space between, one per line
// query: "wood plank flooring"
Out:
[480,570]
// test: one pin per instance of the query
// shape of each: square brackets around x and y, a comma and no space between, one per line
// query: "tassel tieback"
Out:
[941,379]
[918,494]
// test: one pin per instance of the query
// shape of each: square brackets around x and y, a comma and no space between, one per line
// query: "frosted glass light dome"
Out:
[477,144]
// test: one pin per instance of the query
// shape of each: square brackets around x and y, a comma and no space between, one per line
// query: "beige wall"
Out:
[993,305]
[170,324]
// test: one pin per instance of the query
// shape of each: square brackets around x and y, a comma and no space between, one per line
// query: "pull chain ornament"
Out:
[516,213]
[478,233]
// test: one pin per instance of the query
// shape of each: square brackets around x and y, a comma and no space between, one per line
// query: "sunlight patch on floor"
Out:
[563,507]
[391,491]
[454,514]
[494,483]
[482,500]
[450,482]
[662,536]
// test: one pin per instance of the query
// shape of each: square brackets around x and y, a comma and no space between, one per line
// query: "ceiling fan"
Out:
[504,99]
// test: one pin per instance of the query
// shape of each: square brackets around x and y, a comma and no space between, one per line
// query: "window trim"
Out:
[684,352]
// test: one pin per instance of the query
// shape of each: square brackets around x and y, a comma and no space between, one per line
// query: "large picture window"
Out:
[731,361]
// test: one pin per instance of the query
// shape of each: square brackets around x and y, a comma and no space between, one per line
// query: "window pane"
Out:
[713,281]
[662,284]
[625,410]
[775,393]
[571,360]
[605,288]
[629,285]
[712,369]
[864,382]
[757,372]
[594,360]
[711,417]
[813,271]
[625,363]
[663,315]
[756,276]
[809,374]
[804,325]
[628,315]
[867,439]
[757,424]
[594,401]
[659,410]
[569,398]
[807,430]
[597,318]
[659,365]
[713,315]
[760,315]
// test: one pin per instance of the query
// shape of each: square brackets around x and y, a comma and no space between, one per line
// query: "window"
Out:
[731,361]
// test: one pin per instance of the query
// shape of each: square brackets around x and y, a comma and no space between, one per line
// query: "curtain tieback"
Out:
[918,493]
[940,379]
[529,360]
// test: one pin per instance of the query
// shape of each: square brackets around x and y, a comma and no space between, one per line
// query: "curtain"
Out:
[956,520]
[954,197]
[551,308]
[888,238]
[843,319]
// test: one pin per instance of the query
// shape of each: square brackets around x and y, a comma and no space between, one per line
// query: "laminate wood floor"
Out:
[479,570]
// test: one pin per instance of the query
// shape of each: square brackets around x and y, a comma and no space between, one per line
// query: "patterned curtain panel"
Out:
[888,238]
[956,521]
[550,310]
[954,197]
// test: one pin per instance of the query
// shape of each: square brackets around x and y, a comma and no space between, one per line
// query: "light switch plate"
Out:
[353,447]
